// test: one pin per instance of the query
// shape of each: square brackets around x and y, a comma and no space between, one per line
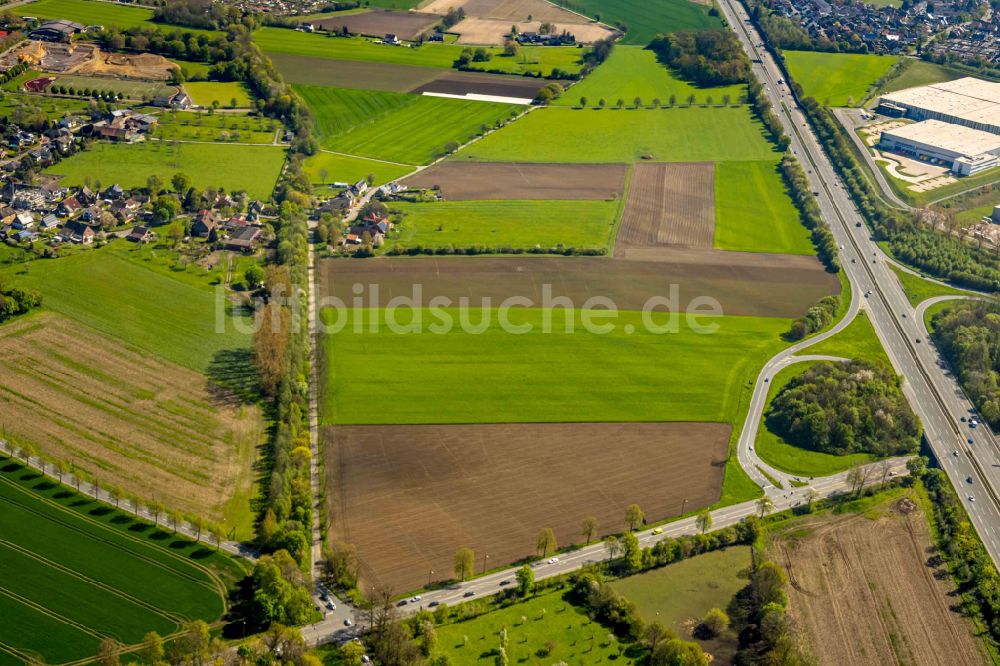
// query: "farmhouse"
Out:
[966,150]
[59,30]
[204,223]
[244,240]
[141,235]
[968,101]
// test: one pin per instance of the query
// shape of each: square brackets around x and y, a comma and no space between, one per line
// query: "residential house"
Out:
[390,38]
[204,223]
[359,188]
[23,221]
[7,216]
[69,206]
[85,196]
[114,192]
[141,235]
[77,232]
[50,221]
[244,240]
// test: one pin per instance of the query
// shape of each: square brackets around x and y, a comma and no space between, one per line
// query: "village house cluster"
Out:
[369,230]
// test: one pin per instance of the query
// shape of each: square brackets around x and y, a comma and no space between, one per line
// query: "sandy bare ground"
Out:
[516,180]
[130,419]
[507,10]
[494,31]
[409,496]
[751,284]
[669,204]
[405,25]
[862,593]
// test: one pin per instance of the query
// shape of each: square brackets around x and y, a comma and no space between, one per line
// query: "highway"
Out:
[969,456]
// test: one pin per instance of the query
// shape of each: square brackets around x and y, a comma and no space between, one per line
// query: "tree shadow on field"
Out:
[83,501]
[43,486]
[122,519]
[140,527]
[232,378]
[159,535]
[201,554]
[30,476]
[10,468]
[62,494]
[101,511]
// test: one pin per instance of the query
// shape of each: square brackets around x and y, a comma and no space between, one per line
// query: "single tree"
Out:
[154,183]
[726,99]
[704,520]
[108,651]
[583,102]
[631,552]
[691,99]
[601,103]
[916,466]
[811,497]
[765,505]
[217,535]
[656,102]
[525,580]
[465,560]
[174,516]
[155,508]
[199,524]
[620,103]
[715,622]
[254,276]
[613,546]
[673,100]
[634,517]
[152,651]
[546,541]
[588,528]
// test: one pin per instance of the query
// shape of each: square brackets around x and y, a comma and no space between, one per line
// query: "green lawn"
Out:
[496,224]
[14,85]
[191,68]
[645,19]
[127,292]
[632,72]
[541,377]
[857,341]
[916,72]
[234,167]
[678,593]
[918,289]
[395,126]
[203,93]
[837,79]
[53,107]
[575,638]
[330,168]
[85,570]
[530,59]
[95,12]
[224,127]
[791,458]
[753,212]
[131,89]
[666,135]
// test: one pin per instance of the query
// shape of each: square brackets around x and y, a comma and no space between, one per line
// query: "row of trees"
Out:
[816,319]
[805,201]
[707,57]
[842,408]
[968,335]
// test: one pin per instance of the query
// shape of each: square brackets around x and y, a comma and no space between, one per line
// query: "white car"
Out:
[971,498]
[415,599]
[553,560]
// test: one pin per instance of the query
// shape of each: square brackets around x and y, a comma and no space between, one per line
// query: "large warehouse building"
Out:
[965,150]
[968,102]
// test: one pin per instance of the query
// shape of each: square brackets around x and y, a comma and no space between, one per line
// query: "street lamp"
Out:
[683,505]
[430,577]
[485,557]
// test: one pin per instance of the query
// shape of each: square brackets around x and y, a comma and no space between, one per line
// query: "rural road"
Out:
[934,395]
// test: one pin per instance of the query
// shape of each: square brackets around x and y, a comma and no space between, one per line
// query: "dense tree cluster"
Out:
[707,57]
[805,201]
[816,319]
[202,14]
[281,592]
[15,301]
[968,335]
[843,408]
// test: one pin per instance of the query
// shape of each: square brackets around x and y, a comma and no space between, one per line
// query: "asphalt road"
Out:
[963,452]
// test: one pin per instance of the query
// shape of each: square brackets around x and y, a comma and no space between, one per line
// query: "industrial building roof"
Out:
[947,136]
[969,98]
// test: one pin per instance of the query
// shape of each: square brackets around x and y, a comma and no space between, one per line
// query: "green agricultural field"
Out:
[323,168]
[234,167]
[221,127]
[575,638]
[649,379]
[397,127]
[191,68]
[632,72]
[126,293]
[95,12]
[837,79]
[666,135]
[496,224]
[679,594]
[753,212]
[914,72]
[54,108]
[918,289]
[85,571]
[204,93]
[530,59]
[645,19]
[140,90]
[791,458]
[857,341]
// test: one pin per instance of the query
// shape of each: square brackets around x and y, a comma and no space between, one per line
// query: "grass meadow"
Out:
[394,126]
[645,19]
[231,166]
[132,89]
[85,571]
[518,224]
[331,168]
[693,134]
[618,376]
[530,59]
[918,289]
[857,341]
[129,295]
[632,72]
[837,79]
[531,624]
[203,93]
[94,12]
[753,212]
[915,73]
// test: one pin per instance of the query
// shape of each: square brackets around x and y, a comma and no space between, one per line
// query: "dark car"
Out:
[469,593]
[433,604]
[402,602]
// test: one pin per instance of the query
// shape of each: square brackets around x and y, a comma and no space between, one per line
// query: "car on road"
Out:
[918,341]
[504,582]
[433,604]
[469,593]
[402,602]
[955,453]
[331,606]
[553,560]
[971,498]
[969,440]
[857,224]
[963,419]
[415,599]
[973,423]
[968,479]
[658,530]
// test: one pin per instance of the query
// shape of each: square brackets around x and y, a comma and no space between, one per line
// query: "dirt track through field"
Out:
[409,496]
[492,181]
[133,420]
[669,204]
[862,593]
[751,284]
[405,25]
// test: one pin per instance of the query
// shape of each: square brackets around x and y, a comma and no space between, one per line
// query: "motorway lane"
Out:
[935,397]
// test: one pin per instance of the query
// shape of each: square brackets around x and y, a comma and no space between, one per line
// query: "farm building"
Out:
[968,101]
[966,150]
[59,30]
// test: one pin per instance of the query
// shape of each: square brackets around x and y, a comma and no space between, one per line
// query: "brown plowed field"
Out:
[669,204]
[463,83]
[405,25]
[352,74]
[494,181]
[751,284]
[862,593]
[128,418]
[508,10]
[409,496]
[494,31]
